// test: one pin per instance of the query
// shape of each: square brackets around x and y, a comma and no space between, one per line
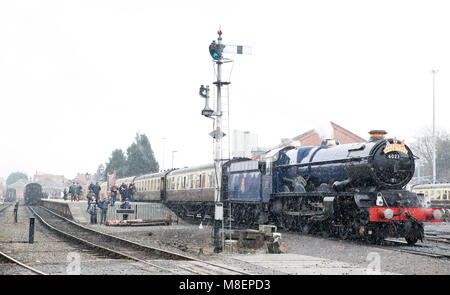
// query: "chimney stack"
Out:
[377,135]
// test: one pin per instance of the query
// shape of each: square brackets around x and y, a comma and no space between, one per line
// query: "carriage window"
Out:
[191,181]
[172,185]
[202,180]
[197,181]
[211,179]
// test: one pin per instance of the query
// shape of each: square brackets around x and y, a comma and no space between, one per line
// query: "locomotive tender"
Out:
[33,194]
[348,190]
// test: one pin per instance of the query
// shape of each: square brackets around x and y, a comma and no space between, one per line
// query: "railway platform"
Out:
[77,210]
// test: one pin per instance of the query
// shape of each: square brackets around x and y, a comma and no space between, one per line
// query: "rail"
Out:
[15,261]
[143,250]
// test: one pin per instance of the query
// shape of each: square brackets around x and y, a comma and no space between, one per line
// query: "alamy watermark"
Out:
[74,263]
[374,267]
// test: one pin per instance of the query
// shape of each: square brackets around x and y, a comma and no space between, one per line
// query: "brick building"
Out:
[315,137]
[52,185]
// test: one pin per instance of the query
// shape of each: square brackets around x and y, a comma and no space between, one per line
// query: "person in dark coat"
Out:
[97,190]
[89,197]
[123,191]
[79,191]
[103,205]
[93,210]
[65,194]
[73,192]
[91,187]
[131,191]
[114,191]
[125,205]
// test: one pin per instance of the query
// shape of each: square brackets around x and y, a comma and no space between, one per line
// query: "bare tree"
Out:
[422,147]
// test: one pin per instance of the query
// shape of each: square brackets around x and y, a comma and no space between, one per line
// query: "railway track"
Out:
[4,206]
[435,251]
[4,258]
[162,261]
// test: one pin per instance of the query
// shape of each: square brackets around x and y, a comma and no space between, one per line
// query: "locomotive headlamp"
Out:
[388,213]
[379,201]
[437,214]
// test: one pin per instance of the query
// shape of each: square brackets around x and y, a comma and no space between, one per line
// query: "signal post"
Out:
[216,49]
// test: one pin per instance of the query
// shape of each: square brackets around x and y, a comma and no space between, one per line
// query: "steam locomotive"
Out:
[348,190]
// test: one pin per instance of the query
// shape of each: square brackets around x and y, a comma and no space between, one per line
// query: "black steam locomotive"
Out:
[350,190]
[33,194]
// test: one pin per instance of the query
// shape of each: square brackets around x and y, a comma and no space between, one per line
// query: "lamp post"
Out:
[173,152]
[434,72]
[163,152]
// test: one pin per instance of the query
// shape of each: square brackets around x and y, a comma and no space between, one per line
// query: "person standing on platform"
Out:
[72,192]
[113,194]
[103,204]
[131,191]
[97,190]
[65,194]
[123,191]
[91,187]
[89,198]
[79,191]
[93,210]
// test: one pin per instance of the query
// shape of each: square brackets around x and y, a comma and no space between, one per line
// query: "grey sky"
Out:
[80,78]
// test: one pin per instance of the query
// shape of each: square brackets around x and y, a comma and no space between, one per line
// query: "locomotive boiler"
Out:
[380,163]
[350,189]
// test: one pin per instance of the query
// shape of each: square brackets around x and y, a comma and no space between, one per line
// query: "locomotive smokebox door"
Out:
[218,213]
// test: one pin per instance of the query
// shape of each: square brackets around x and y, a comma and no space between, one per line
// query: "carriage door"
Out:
[162,189]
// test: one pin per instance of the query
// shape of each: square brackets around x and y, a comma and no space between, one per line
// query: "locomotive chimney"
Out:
[377,135]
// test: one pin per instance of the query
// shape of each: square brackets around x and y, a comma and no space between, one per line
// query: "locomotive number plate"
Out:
[395,147]
[393,155]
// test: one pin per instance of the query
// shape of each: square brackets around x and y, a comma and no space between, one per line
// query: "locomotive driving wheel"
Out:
[411,240]
[343,232]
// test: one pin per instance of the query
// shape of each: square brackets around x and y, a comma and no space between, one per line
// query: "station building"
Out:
[52,185]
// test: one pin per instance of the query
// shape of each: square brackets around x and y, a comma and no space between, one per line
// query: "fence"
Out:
[142,211]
